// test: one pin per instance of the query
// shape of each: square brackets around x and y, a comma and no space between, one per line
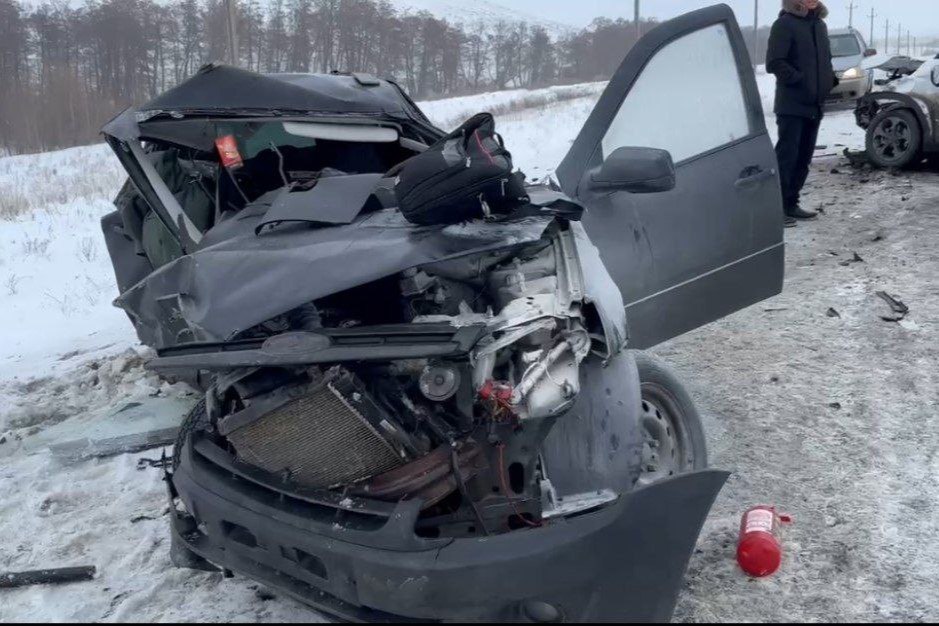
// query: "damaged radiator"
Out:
[334,434]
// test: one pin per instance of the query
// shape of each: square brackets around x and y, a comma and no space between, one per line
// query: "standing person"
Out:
[799,54]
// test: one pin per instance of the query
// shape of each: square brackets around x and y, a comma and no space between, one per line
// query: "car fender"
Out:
[886,101]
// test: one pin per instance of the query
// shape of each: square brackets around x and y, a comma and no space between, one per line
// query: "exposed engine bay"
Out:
[461,432]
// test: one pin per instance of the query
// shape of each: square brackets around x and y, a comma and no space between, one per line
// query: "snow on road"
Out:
[859,478]
[831,417]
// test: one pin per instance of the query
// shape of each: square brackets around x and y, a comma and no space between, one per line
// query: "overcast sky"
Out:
[921,16]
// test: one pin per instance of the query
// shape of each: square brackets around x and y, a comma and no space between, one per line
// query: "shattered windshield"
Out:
[245,160]
[845,46]
[233,163]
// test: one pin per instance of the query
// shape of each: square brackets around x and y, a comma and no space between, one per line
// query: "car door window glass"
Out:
[688,99]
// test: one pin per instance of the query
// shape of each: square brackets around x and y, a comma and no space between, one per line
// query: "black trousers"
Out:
[794,150]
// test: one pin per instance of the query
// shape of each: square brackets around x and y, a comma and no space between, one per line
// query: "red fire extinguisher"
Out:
[759,551]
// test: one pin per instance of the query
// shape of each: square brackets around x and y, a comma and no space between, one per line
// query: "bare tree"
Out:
[66,69]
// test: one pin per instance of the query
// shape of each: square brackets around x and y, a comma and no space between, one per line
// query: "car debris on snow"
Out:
[898,308]
[60,575]
[161,463]
[856,158]
[134,427]
[832,312]
[854,259]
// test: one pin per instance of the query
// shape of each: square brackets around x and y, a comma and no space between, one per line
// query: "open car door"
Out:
[679,179]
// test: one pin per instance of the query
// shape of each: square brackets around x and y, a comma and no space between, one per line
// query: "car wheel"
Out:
[894,138]
[196,419]
[673,435]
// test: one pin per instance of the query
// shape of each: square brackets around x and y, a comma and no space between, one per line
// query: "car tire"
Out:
[196,419]
[894,139]
[674,440]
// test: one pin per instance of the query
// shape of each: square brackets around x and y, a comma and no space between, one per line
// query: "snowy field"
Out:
[860,479]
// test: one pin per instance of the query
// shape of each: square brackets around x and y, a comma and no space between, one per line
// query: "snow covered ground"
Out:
[860,479]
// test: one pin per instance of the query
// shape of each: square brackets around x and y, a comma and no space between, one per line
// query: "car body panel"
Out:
[574,564]
[244,279]
[711,245]
[918,92]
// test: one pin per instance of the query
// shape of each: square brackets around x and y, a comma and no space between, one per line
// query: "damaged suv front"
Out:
[399,421]
[466,449]
[441,422]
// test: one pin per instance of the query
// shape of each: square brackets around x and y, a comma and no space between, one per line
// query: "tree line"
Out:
[66,70]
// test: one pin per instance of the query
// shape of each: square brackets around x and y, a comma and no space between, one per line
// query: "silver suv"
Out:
[848,51]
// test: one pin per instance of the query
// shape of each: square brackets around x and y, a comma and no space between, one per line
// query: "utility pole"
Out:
[899,35]
[232,35]
[638,26]
[909,44]
[914,46]
[756,28]
[851,8]
[873,15]
[887,37]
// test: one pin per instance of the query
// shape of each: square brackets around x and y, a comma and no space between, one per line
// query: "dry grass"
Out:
[12,202]
[49,182]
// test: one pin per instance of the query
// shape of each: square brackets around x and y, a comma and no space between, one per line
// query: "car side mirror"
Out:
[638,170]
[934,75]
[870,52]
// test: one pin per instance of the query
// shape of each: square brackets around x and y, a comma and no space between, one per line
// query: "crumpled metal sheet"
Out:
[237,280]
[601,291]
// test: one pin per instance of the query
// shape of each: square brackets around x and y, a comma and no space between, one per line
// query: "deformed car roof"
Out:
[221,91]
[226,89]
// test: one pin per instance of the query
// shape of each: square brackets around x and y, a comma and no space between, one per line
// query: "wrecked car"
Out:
[902,118]
[444,422]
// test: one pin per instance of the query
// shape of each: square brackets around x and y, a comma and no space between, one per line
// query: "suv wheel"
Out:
[894,138]
[673,435]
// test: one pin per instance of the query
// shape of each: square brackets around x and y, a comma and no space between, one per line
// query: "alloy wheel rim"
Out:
[892,138]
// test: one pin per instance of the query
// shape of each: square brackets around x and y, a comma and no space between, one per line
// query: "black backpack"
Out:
[467,174]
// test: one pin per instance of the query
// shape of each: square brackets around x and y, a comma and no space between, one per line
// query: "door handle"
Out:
[754,175]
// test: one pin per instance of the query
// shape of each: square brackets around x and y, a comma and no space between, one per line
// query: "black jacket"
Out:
[799,54]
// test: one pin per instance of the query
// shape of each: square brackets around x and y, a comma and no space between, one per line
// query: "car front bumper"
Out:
[622,562]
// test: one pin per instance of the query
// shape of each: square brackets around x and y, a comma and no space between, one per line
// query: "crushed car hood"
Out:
[240,279]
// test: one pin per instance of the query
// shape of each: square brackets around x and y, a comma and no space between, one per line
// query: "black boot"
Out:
[789,222]
[799,213]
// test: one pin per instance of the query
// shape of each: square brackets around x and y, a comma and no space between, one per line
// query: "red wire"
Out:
[483,148]
[505,488]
